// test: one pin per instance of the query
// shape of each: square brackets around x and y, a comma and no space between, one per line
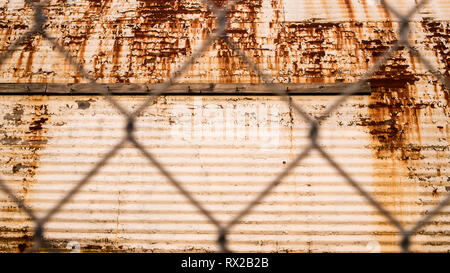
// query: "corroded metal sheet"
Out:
[231,151]
[395,142]
[144,41]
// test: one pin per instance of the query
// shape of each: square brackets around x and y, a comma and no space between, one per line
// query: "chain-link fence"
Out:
[222,14]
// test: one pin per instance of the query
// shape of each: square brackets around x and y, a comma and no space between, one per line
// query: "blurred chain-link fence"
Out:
[222,14]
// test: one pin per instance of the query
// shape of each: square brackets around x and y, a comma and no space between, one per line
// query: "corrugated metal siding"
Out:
[130,206]
[394,142]
[144,41]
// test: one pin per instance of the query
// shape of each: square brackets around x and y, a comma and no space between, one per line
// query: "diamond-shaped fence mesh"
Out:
[222,15]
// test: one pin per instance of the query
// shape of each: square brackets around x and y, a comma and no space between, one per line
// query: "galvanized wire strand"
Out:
[388,6]
[222,14]
[409,14]
[416,8]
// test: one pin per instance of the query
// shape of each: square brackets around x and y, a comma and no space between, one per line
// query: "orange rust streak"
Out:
[365,8]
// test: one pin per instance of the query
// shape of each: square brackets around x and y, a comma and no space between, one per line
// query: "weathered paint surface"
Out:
[129,206]
[394,142]
[144,41]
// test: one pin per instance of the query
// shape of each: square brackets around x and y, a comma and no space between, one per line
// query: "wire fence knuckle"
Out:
[40,19]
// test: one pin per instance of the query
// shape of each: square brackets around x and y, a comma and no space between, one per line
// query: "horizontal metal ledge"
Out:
[214,89]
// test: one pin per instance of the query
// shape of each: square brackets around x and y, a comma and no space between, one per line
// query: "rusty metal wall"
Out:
[395,141]
[144,41]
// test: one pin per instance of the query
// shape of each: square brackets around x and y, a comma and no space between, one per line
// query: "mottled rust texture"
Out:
[24,134]
[146,42]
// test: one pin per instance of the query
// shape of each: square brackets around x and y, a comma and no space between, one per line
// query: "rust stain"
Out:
[31,46]
[96,7]
[30,133]
[390,126]
[164,31]
[18,243]
[83,104]
[349,8]
[29,63]
[394,124]
[152,49]
[6,32]
[81,42]
[117,49]
[84,43]
[278,8]
[16,70]
[21,240]
[36,138]
[80,39]
[308,67]
[305,51]
[244,34]
[220,3]
[11,29]
[99,64]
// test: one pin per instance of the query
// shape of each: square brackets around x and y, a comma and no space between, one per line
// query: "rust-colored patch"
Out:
[29,64]
[244,34]
[309,66]
[6,32]
[16,115]
[83,104]
[393,122]
[154,50]
[96,8]
[145,43]
[365,8]
[23,142]
[16,239]
[220,3]
[438,36]
[29,137]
